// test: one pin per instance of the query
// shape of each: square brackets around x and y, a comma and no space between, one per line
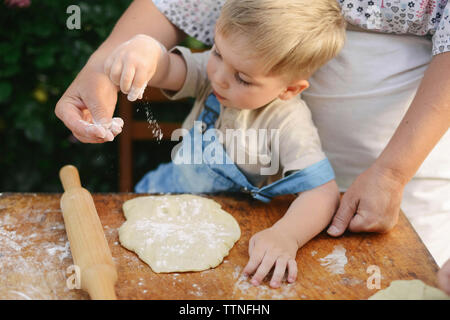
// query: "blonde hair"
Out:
[293,37]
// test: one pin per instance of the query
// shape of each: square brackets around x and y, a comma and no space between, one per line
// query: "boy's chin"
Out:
[229,104]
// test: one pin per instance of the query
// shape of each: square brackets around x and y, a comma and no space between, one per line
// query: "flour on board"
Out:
[335,262]
[32,264]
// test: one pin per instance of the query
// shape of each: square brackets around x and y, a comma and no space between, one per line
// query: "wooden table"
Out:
[35,256]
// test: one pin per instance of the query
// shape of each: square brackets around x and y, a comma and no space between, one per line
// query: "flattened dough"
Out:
[409,290]
[176,233]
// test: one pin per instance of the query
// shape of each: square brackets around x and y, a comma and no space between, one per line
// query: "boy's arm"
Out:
[170,73]
[310,213]
[306,217]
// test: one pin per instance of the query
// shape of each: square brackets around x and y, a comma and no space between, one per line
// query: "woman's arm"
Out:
[375,195]
[92,96]
[426,121]
[306,217]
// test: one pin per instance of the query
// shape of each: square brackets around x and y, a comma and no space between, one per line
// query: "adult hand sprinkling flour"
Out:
[381,107]
[87,106]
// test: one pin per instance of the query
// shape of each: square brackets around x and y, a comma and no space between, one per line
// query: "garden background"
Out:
[39,58]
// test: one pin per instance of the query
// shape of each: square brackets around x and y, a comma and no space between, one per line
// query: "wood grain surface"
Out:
[35,255]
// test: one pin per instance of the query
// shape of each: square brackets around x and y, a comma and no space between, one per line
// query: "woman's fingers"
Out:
[99,132]
[116,126]
[73,117]
[444,277]
[344,214]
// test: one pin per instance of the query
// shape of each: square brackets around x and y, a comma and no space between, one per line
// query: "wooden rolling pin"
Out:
[88,244]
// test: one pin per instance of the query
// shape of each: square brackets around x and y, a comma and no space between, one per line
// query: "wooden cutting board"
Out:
[35,256]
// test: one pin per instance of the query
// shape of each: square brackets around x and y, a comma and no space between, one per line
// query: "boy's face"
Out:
[236,77]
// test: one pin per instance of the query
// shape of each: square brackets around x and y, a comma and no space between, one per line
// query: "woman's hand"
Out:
[87,107]
[371,204]
[132,64]
[444,277]
[271,247]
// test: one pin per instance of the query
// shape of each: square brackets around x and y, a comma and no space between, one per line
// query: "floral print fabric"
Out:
[418,17]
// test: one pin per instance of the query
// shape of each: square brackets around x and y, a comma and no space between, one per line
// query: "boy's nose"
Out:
[220,79]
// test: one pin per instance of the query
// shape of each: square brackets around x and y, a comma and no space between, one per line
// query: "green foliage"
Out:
[39,58]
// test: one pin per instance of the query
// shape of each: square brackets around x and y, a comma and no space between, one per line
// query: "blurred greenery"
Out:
[39,58]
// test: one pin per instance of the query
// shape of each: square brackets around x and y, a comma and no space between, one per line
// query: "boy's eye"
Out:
[240,80]
[216,53]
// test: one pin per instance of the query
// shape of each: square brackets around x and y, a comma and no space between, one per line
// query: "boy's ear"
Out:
[294,89]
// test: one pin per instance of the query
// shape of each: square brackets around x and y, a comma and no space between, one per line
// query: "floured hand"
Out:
[89,101]
[132,64]
[104,129]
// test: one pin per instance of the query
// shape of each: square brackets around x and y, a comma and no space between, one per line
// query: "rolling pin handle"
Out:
[69,177]
[99,281]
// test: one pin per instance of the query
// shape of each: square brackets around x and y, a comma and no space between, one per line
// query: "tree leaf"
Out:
[5,91]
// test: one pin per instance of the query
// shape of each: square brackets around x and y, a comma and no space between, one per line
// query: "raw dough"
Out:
[176,233]
[409,290]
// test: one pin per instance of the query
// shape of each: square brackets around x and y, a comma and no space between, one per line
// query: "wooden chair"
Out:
[137,130]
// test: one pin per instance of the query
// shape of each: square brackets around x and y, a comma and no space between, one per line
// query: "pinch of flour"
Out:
[335,262]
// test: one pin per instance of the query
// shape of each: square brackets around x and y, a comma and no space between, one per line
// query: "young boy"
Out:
[264,52]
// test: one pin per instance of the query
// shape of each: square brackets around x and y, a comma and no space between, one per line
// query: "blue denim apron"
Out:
[204,174]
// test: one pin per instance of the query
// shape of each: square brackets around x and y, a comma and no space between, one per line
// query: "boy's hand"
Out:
[271,247]
[132,64]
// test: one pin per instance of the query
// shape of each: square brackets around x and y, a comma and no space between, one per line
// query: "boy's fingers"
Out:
[255,259]
[292,270]
[141,78]
[279,271]
[135,93]
[126,78]
[263,269]
[138,86]
[116,71]
[251,245]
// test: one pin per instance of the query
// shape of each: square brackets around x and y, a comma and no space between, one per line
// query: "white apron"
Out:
[357,101]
